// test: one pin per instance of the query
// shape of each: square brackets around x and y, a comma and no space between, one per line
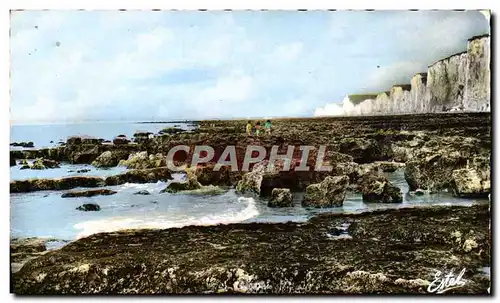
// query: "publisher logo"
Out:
[444,282]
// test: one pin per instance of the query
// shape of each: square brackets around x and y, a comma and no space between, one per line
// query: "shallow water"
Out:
[46,214]
[65,170]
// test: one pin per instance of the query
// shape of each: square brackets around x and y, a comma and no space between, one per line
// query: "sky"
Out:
[74,66]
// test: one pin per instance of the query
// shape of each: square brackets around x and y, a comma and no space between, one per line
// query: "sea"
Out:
[46,214]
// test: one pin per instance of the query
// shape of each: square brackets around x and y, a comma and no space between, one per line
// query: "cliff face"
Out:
[458,83]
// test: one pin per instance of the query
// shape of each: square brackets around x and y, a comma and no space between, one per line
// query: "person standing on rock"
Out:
[249,128]
[257,128]
[267,127]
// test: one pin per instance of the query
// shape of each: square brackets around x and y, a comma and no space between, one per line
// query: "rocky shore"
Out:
[389,251]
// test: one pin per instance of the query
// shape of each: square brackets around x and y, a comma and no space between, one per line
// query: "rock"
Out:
[74,141]
[24,250]
[23,186]
[365,150]
[419,192]
[330,192]
[280,197]
[27,245]
[433,171]
[272,258]
[89,207]
[206,175]
[191,184]
[110,158]
[12,161]
[389,167]
[376,188]
[121,140]
[467,182]
[23,162]
[264,178]
[83,153]
[44,164]
[171,130]
[91,141]
[150,175]
[81,171]
[141,160]
[23,144]
[88,193]
[142,192]
[25,167]
[141,137]
[50,163]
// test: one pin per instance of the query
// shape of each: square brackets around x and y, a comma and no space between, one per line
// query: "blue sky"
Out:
[144,65]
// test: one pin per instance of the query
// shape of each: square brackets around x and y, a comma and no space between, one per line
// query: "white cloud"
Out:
[166,65]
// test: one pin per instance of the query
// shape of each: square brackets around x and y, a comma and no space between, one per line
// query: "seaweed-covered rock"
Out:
[110,158]
[280,197]
[330,192]
[467,182]
[121,140]
[382,256]
[22,186]
[376,188]
[142,160]
[89,207]
[45,164]
[89,193]
[433,171]
[12,161]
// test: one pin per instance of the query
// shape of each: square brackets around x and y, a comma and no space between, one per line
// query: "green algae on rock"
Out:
[381,256]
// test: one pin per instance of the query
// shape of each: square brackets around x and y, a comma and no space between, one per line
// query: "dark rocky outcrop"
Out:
[121,140]
[23,186]
[23,144]
[376,188]
[12,161]
[89,207]
[171,130]
[142,192]
[379,256]
[330,192]
[89,193]
[133,176]
[280,197]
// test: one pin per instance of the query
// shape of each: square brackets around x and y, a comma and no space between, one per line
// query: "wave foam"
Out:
[160,222]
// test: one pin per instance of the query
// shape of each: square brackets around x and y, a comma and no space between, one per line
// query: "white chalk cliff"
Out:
[458,83]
